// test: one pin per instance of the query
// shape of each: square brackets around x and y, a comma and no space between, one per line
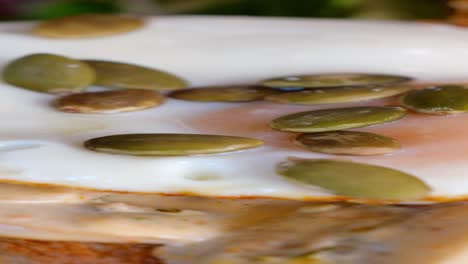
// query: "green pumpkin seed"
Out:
[49,73]
[128,76]
[224,94]
[334,80]
[445,99]
[88,25]
[337,95]
[347,143]
[170,144]
[109,101]
[337,118]
[355,179]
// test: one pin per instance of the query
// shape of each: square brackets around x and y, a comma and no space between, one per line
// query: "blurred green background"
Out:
[367,9]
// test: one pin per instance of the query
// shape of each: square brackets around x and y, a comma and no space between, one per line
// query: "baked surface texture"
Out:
[20,251]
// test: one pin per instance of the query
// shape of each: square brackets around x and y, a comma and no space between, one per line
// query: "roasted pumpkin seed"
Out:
[224,93]
[438,100]
[347,143]
[170,144]
[88,25]
[355,179]
[129,76]
[109,101]
[49,73]
[334,80]
[337,118]
[337,95]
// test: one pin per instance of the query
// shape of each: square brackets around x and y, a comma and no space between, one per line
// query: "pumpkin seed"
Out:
[109,101]
[170,144]
[337,118]
[334,80]
[445,99]
[128,76]
[355,179]
[49,73]
[337,95]
[347,143]
[88,25]
[224,94]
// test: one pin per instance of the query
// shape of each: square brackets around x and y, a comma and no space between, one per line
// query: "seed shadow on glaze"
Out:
[8,146]
[18,29]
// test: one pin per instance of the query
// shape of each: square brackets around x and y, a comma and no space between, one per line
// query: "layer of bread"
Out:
[178,230]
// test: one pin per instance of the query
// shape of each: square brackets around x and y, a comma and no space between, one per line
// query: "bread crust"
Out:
[21,251]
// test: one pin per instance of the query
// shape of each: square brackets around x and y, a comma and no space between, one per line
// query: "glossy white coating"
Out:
[41,145]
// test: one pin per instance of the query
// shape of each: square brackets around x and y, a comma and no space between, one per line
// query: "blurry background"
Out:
[369,9]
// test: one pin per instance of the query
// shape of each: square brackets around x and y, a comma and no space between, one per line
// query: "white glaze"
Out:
[231,50]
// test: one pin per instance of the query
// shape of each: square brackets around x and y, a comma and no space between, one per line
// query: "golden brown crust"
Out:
[20,251]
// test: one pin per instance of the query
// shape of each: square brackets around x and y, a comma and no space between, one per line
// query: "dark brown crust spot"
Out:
[19,251]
